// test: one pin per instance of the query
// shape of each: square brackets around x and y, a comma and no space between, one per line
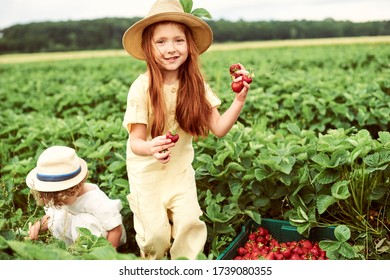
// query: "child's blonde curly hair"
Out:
[56,199]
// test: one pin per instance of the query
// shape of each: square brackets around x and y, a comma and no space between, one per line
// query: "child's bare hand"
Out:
[159,148]
[39,226]
[241,96]
[33,230]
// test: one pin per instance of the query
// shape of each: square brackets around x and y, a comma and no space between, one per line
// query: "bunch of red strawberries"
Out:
[262,245]
[239,74]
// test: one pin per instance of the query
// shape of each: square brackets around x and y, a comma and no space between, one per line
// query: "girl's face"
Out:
[170,46]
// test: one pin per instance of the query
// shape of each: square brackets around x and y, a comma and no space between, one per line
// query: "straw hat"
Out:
[167,10]
[58,168]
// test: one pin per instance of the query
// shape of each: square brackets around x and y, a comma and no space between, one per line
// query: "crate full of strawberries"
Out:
[276,240]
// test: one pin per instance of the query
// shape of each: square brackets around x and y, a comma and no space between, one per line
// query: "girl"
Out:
[171,96]
[59,184]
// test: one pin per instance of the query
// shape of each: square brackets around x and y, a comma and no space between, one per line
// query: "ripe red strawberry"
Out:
[298,250]
[247,78]
[252,237]
[260,240]
[237,86]
[262,231]
[270,256]
[295,257]
[306,244]
[315,251]
[234,68]
[286,252]
[173,136]
[242,251]
[279,256]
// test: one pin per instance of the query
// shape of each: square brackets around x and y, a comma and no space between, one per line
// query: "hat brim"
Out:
[34,183]
[201,31]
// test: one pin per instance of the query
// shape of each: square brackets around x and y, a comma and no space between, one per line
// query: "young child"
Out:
[171,96]
[58,182]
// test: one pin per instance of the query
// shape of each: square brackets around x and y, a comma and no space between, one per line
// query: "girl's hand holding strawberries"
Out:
[241,78]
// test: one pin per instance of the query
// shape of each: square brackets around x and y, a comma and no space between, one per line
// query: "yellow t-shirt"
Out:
[143,168]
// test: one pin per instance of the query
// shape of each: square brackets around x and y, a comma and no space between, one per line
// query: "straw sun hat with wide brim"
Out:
[167,10]
[58,168]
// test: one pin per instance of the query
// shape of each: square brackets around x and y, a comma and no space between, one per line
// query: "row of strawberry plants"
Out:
[341,177]
[336,87]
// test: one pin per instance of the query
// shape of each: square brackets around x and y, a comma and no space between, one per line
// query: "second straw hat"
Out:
[58,168]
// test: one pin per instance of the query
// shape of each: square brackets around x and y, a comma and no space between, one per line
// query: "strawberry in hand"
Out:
[239,75]
[173,136]
[234,68]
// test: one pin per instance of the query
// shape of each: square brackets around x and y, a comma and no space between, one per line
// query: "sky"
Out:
[25,11]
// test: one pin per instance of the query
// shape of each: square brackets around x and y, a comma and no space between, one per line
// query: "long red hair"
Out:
[193,111]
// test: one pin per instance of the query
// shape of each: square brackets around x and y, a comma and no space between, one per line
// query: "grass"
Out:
[38,57]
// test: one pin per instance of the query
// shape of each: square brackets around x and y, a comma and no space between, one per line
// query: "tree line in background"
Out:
[107,33]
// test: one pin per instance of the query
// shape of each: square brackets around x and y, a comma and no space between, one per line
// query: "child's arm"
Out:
[221,124]
[39,226]
[114,236]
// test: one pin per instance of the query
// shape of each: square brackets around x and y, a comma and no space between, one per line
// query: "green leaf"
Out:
[261,173]
[116,165]
[376,194]
[303,229]
[294,129]
[121,183]
[333,255]
[338,158]
[201,13]
[254,215]
[274,191]
[329,245]
[384,138]
[234,166]
[101,152]
[357,152]
[235,188]
[327,176]
[220,158]
[198,12]
[323,202]
[377,161]
[261,201]
[297,221]
[302,214]
[214,213]
[322,160]
[347,251]
[340,190]
[342,233]
[204,158]
[286,165]
[187,5]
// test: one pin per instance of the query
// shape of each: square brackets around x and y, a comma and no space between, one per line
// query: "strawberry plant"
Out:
[340,248]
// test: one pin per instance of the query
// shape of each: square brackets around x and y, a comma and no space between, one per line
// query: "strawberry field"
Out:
[312,146]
